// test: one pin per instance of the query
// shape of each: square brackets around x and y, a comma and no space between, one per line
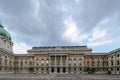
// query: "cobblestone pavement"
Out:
[57,77]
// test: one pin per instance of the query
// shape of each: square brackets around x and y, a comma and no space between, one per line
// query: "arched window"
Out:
[37,62]
[47,61]
[80,62]
[42,62]
[118,62]
[69,61]
[74,61]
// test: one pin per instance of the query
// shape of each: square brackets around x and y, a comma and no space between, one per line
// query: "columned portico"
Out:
[58,62]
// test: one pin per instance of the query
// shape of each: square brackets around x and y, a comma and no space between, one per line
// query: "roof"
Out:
[99,53]
[4,33]
[23,55]
[53,47]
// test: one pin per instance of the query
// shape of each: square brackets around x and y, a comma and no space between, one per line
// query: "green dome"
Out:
[3,32]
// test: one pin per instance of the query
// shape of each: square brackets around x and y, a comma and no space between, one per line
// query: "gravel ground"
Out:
[57,77]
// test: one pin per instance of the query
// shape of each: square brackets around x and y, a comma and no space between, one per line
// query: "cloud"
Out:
[45,22]
[20,48]
[17,8]
[72,32]
[99,37]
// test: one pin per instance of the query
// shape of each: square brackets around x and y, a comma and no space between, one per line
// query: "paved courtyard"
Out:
[57,77]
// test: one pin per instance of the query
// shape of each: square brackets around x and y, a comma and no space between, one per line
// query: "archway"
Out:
[58,70]
[64,70]
[52,70]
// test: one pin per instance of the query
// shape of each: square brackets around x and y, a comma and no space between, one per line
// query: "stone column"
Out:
[49,69]
[77,70]
[67,61]
[55,69]
[39,70]
[66,70]
[45,70]
[61,60]
[61,70]
[55,60]
[49,61]
[72,69]
[49,64]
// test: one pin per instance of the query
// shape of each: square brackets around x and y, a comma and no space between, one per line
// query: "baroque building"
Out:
[56,59]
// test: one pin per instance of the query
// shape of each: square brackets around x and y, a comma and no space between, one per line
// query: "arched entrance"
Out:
[64,69]
[58,70]
[52,70]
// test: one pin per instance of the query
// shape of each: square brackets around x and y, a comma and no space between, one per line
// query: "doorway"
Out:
[64,70]
[58,70]
[52,70]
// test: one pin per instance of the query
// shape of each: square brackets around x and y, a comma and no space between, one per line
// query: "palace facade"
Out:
[56,59]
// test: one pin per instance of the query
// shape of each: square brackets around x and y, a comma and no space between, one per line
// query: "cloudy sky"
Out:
[95,23]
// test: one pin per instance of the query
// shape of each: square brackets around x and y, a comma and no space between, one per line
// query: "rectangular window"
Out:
[117,69]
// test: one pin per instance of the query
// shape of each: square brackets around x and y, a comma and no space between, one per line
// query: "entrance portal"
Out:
[58,70]
[64,70]
[52,70]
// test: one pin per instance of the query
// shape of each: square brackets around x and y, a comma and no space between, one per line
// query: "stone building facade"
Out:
[56,59]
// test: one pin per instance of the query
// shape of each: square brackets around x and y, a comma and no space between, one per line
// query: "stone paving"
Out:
[57,77]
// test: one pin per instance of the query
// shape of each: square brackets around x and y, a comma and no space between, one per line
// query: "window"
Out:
[118,55]
[30,64]
[42,61]
[112,63]
[80,69]
[58,62]
[5,56]
[69,61]
[37,59]
[53,62]
[107,58]
[74,61]
[98,64]
[47,61]
[117,69]
[118,62]
[74,69]
[21,64]
[5,68]
[37,62]
[111,69]
[42,69]
[37,69]
[80,62]
[111,56]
